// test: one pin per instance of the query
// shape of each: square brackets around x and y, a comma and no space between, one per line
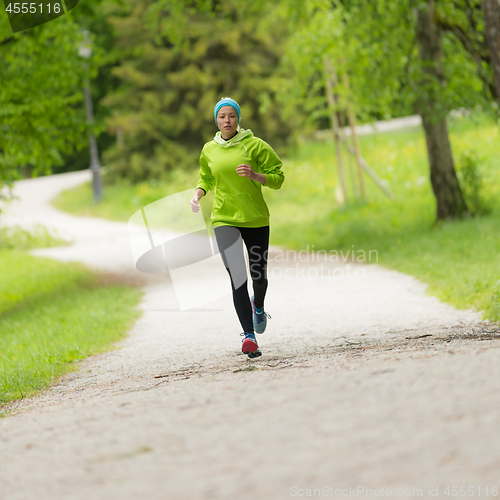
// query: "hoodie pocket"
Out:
[239,207]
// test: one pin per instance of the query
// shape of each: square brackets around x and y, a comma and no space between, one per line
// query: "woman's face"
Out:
[227,121]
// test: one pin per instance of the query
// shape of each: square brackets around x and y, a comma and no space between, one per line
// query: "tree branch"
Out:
[470,46]
[407,65]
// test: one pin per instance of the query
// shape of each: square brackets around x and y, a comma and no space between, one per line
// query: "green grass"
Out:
[459,260]
[37,236]
[53,314]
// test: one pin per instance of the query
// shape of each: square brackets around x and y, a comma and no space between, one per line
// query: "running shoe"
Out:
[250,346]
[259,319]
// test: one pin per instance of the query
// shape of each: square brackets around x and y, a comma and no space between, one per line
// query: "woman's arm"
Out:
[261,178]
[206,183]
[270,164]
[207,180]
[245,170]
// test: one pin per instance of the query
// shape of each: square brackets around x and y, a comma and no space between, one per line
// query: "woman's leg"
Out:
[230,245]
[257,242]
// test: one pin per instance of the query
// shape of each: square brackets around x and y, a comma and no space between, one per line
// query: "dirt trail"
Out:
[365,382]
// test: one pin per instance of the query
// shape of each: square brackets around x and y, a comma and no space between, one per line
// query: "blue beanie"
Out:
[227,101]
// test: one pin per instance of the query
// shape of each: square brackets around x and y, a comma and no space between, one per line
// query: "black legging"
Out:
[230,242]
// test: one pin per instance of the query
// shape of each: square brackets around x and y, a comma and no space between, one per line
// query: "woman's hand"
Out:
[245,170]
[195,203]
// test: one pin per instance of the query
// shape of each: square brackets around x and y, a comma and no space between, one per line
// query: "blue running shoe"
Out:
[259,319]
[250,346]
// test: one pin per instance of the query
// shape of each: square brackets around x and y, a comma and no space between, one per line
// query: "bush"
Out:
[470,173]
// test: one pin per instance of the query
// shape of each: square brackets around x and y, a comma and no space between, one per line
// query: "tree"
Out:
[176,60]
[41,115]
[93,15]
[322,28]
[375,44]
[491,10]
[397,47]
[449,199]
[465,21]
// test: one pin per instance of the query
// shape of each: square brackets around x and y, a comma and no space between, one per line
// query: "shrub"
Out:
[470,173]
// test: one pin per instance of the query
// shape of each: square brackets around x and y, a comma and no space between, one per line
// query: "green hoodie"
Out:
[238,200]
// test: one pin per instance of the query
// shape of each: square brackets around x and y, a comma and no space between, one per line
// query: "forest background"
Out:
[158,67]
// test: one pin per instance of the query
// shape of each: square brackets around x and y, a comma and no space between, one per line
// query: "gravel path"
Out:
[365,382]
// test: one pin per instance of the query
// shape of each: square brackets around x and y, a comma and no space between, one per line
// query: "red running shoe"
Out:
[250,346]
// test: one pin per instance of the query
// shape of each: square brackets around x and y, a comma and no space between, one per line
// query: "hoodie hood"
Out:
[242,134]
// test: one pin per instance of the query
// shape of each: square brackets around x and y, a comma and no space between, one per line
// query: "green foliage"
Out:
[469,171]
[41,111]
[172,77]
[317,34]
[93,16]
[360,41]
[383,59]
[375,44]
[463,24]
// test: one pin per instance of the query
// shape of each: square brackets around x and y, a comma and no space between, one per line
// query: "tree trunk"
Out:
[491,12]
[450,202]
[331,81]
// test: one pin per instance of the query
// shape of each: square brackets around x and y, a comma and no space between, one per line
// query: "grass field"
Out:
[52,314]
[459,260]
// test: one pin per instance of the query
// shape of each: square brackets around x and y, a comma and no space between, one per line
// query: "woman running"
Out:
[238,164]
